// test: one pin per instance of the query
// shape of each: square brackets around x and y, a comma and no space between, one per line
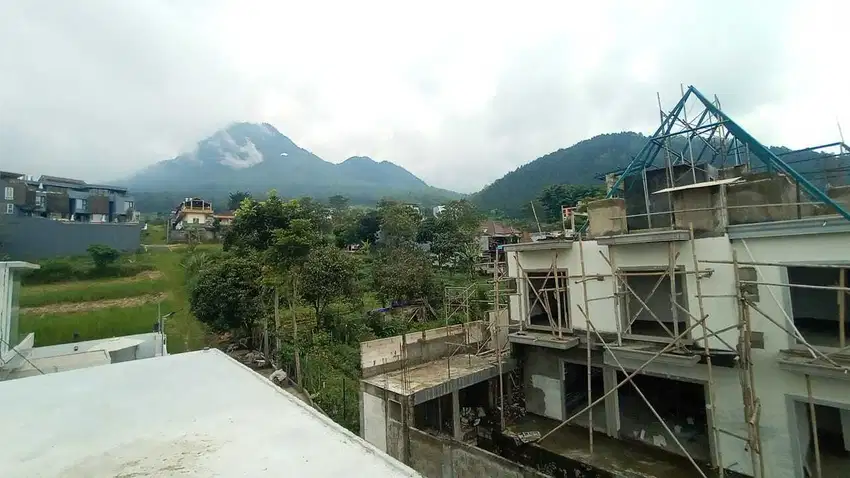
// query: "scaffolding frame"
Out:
[709,131]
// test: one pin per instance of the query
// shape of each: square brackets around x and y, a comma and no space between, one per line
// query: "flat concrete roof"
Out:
[198,414]
[540,245]
[435,379]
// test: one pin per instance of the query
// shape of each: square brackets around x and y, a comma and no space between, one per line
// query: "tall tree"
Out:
[225,294]
[236,198]
[399,223]
[403,273]
[555,196]
[328,274]
[338,203]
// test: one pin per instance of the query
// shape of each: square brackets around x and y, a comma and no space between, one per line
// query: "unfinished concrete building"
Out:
[697,326]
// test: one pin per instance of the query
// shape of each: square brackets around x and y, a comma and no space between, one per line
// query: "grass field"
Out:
[95,309]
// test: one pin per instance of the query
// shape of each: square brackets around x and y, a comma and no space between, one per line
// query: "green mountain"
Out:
[578,164]
[583,162]
[257,158]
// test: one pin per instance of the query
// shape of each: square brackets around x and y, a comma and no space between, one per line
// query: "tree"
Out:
[235,199]
[399,223]
[403,274]
[226,294]
[328,274]
[454,231]
[255,223]
[555,196]
[338,203]
[103,256]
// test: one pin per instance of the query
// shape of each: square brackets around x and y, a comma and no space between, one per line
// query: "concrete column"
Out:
[612,402]
[456,415]
[845,428]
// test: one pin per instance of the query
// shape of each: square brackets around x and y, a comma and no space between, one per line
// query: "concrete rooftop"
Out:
[433,379]
[199,414]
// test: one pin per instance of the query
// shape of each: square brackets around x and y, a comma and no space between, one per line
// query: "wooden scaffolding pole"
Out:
[668,347]
[586,313]
[813,421]
[712,396]
[744,364]
[496,318]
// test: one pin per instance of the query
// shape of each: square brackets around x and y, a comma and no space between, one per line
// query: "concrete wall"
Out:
[33,238]
[383,355]
[777,389]
[435,457]
[604,309]
[374,422]
[543,385]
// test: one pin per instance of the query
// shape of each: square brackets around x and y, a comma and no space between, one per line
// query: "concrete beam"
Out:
[646,237]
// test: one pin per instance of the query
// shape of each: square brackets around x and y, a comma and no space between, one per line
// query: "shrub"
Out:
[103,256]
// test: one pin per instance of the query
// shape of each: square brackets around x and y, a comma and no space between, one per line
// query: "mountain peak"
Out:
[257,157]
[360,159]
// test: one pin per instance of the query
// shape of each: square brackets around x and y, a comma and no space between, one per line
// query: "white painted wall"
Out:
[374,421]
[776,389]
[604,310]
[189,218]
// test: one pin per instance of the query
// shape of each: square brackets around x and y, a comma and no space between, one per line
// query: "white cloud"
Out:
[457,92]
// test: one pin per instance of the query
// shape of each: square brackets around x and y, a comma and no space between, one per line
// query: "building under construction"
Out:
[696,325]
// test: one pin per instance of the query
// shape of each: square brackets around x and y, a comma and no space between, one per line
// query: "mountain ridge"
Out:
[256,157]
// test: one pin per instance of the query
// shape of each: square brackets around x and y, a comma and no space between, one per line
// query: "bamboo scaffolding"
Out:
[712,407]
[813,421]
[586,313]
[648,404]
[668,347]
[745,375]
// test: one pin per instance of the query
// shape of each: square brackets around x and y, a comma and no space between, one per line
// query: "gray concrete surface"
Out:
[33,238]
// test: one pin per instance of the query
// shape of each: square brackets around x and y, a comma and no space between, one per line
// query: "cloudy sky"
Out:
[459,93]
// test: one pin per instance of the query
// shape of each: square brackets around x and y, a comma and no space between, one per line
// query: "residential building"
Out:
[437,210]
[192,212]
[65,199]
[696,327]
[224,218]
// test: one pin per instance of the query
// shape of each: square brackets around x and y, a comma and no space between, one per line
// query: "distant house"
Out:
[437,210]
[495,234]
[224,218]
[65,199]
[192,211]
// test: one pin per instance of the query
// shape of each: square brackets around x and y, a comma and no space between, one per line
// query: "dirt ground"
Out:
[99,304]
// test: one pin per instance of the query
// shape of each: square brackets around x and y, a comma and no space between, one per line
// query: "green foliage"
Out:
[60,328]
[327,275]
[255,223]
[403,273]
[553,197]
[226,294]
[103,256]
[454,233]
[338,202]
[234,200]
[356,226]
[64,269]
[88,291]
[399,223]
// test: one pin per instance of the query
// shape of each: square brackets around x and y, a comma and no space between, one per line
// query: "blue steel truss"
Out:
[712,137]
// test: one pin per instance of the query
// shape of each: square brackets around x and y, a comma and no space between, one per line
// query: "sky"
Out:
[459,93]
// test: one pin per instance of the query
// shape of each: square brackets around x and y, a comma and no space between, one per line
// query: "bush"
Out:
[103,256]
[225,294]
